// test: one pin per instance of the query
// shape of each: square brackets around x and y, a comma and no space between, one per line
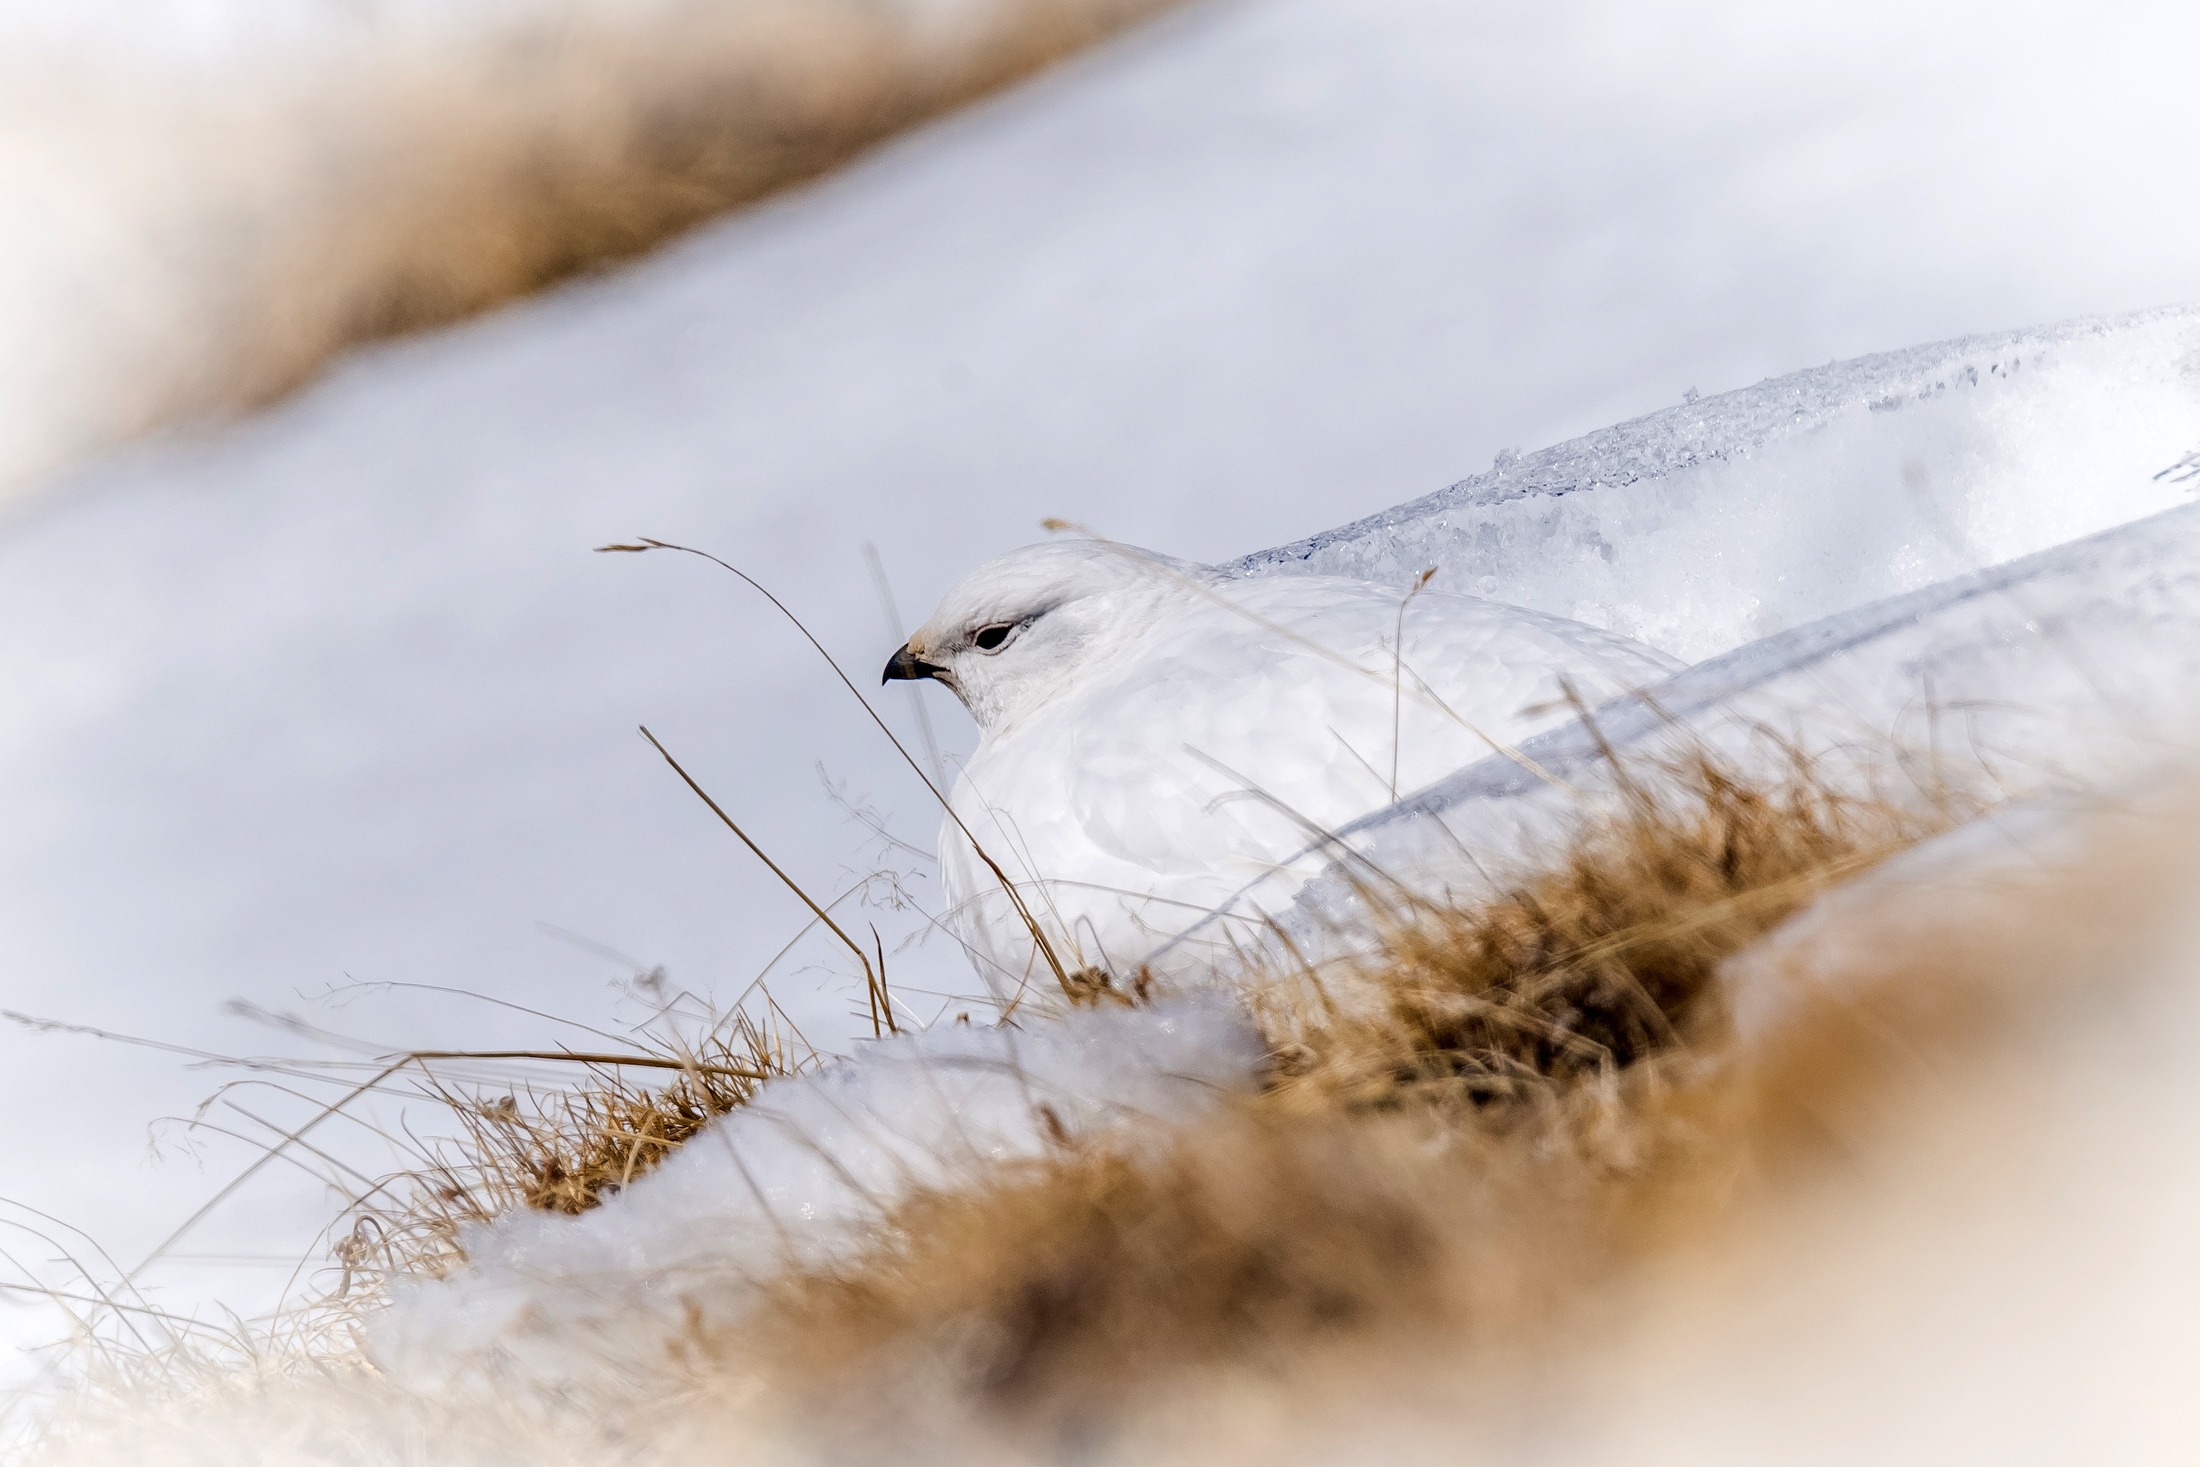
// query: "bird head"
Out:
[1021,630]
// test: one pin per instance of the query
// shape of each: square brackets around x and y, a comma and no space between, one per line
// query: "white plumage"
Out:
[1157,735]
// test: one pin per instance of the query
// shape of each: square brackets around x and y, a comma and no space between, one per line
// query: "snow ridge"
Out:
[1714,523]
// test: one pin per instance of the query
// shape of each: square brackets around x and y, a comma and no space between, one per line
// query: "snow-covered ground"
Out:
[339,694]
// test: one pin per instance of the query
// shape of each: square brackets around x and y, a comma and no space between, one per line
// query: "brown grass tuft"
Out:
[561,1149]
[1596,958]
[604,1135]
[1060,1294]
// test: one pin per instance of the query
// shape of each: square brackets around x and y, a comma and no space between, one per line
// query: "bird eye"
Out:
[989,638]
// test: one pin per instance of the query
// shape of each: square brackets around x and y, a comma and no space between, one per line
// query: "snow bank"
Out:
[1723,520]
[796,1175]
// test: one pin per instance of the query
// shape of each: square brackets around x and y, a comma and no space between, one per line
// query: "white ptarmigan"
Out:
[1156,735]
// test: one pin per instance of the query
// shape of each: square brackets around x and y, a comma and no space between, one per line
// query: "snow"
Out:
[337,693]
[1716,522]
[553,1302]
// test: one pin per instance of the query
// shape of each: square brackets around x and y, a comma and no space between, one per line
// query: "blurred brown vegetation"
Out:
[478,176]
[211,237]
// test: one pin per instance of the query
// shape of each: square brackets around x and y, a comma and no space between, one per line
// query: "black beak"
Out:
[907,665]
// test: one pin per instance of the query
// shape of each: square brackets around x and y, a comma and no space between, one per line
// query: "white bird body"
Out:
[1157,736]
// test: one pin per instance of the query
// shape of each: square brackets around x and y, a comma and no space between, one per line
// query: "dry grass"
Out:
[597,1138]
[591,137]
[1602,955]
[561,1149]
[1061,1296]
[300,1385]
